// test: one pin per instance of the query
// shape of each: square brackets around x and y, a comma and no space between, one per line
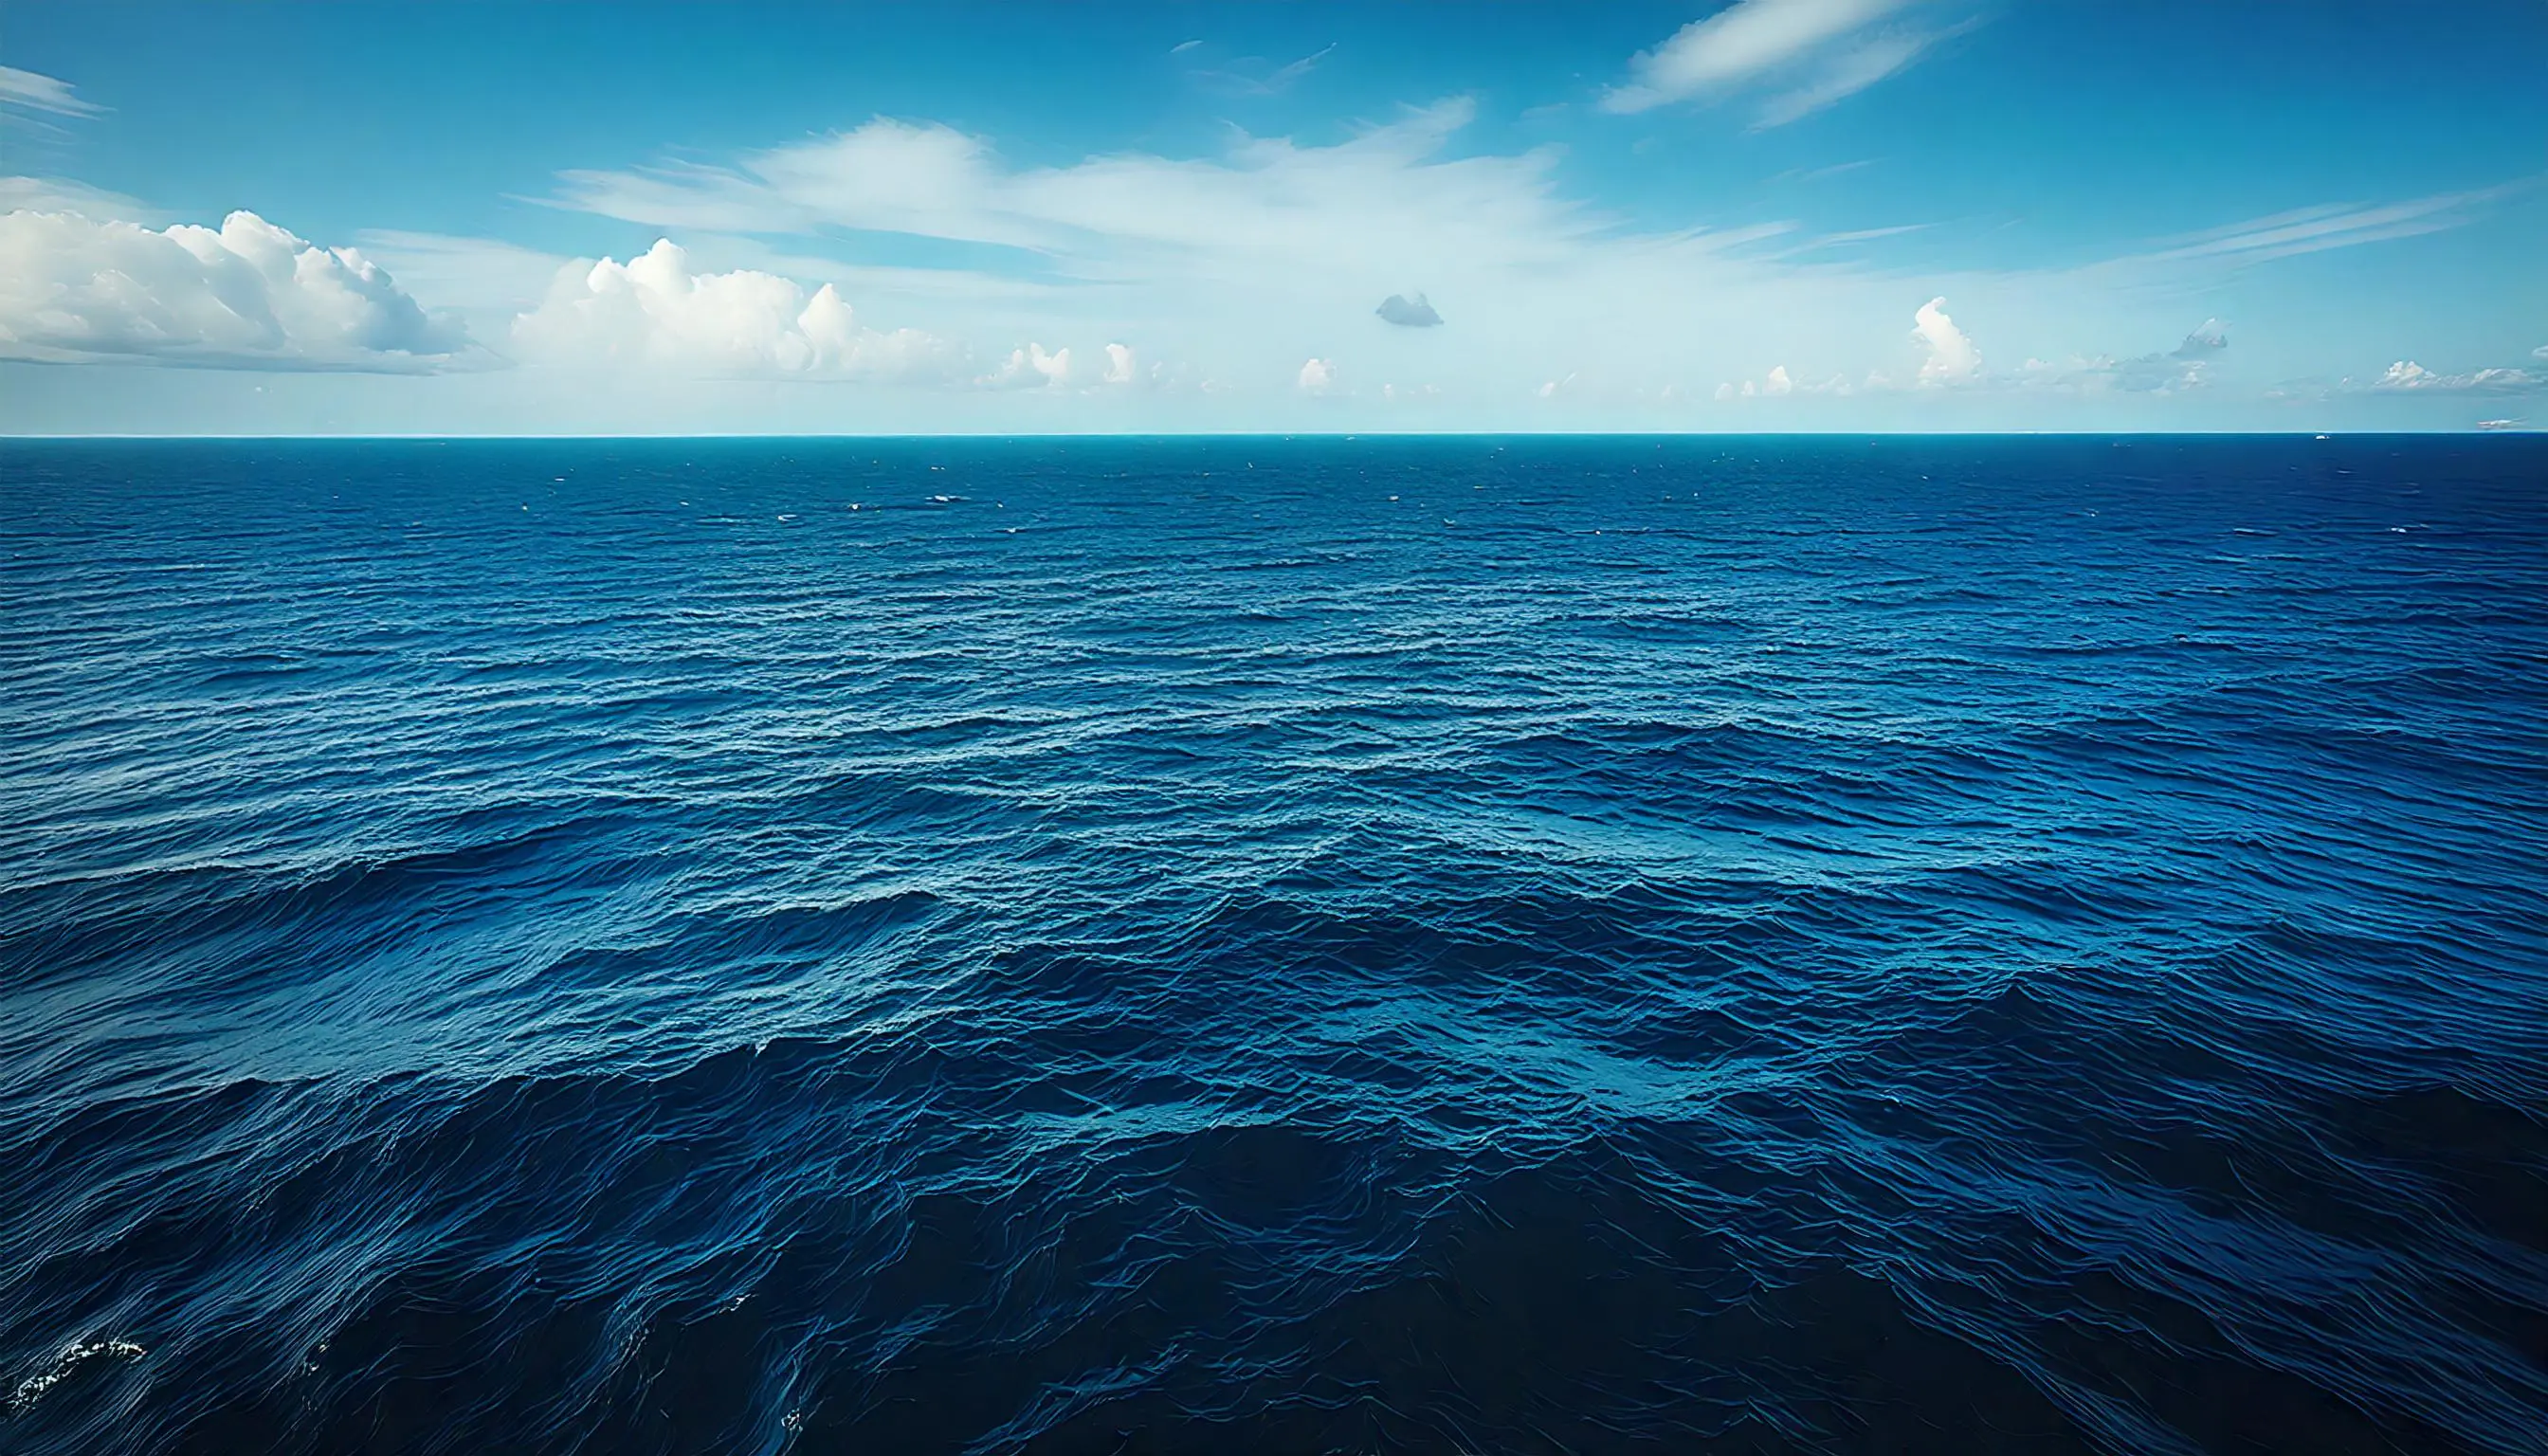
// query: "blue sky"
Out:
[1808,215]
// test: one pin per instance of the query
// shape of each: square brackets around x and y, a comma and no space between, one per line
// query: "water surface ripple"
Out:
[1119,946]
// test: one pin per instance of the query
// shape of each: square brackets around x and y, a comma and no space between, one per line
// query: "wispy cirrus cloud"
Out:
[2332,225]
[33,91]
[1382,192]
[1847,74]
[1251,77]
[63,195]
[1814,52]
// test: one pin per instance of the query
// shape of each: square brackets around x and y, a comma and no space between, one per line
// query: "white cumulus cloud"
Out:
[1317,377]
[1030,368]
[2408,375]
[653,311]
[1120,366]
[1952,357]
[1780,384]
[250,295]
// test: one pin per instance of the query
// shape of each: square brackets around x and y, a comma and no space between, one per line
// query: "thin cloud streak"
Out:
[35,91]
[1744,41]
[1816,52]
[1863,66]
[2332,225]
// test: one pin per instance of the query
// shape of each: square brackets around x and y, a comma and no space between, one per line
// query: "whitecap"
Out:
[73,1356]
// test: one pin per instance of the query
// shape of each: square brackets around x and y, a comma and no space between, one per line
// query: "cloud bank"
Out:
[1238,264]
[251,294]
[1230,267]
[2409,377]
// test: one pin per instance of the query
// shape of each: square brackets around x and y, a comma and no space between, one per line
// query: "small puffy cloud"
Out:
[1408,312]
[2540,352]
[2409,376]
[33,91]
[74,289]
[653,311]
[2210,337]
[1317,377]
[1032,368]
[1952,357]
[1778,384]
[1126,369]
[2184,367]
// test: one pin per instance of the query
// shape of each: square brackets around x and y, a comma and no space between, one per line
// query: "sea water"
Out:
[1443,945]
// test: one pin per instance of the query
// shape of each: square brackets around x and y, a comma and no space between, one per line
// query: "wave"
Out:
[1830,946]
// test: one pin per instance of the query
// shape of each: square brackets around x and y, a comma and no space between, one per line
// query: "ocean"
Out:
[1389,945]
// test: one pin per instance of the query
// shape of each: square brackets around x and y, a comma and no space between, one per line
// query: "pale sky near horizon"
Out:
[1768,214]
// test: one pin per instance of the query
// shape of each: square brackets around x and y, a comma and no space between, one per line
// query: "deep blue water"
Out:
[1436,946]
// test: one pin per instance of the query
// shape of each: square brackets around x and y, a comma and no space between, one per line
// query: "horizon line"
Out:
[1541,434]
